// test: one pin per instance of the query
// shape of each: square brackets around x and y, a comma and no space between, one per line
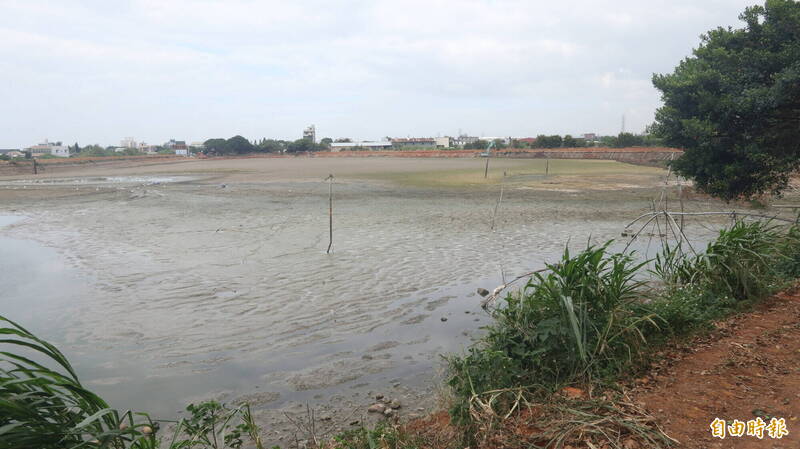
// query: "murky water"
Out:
[162,293]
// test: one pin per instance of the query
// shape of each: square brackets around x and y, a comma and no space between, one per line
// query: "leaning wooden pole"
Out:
[486,170]
[35,168]
[330,214]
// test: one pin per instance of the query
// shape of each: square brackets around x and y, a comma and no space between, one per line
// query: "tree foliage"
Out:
[734,105]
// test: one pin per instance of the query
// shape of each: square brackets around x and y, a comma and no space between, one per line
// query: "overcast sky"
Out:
[98,71]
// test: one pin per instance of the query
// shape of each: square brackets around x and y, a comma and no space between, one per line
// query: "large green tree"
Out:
[734,105]
[239,145]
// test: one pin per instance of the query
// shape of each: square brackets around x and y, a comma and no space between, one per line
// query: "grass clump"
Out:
[592,318]
[43,405]
[581,320]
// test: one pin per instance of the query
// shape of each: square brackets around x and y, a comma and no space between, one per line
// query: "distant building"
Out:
[380,145]
[183,152]
[310,133]
[442,142]
[526,140]
[590,137]
[11,152]
[47,147]
[414,142]
[464,139]
[176,145]
[128,142]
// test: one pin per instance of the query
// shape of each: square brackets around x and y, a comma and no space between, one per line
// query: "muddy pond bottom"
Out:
[166,293]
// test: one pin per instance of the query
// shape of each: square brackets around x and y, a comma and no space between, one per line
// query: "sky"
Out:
[100,71]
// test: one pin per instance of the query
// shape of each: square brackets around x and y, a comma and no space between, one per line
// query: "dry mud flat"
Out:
[209,279]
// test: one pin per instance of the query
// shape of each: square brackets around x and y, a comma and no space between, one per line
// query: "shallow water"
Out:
[165,293]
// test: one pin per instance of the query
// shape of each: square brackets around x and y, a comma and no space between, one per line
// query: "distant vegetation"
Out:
[734,106]
[622,140]
[240,145]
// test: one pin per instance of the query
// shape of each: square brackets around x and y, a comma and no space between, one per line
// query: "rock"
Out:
[466,311]
[378,397]
[483,292]
[395,404]
[388,412]
[354,423]
[376,408]
[444,318]
[326,418]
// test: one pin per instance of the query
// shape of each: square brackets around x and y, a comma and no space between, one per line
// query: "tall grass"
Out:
[744,261]
[580,320]
[43,405]
[590,318]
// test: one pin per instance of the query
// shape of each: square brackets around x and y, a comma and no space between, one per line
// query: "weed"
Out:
[578,321]
[43,405]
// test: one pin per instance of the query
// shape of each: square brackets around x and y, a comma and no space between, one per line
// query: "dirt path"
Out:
[748,368]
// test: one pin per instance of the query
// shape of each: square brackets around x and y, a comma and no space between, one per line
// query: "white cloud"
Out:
[203,68]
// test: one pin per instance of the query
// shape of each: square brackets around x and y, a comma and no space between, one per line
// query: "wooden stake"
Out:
[486,170]
[680,198]
[497,205]
[330,214]
[35,169]
[547,167]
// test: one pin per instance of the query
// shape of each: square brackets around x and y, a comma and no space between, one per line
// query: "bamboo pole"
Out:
[330,213]
[497,205]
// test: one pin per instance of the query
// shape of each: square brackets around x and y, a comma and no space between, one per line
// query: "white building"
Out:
[128,142]
[310,133]
[442,142]
[47,147]
[365,145]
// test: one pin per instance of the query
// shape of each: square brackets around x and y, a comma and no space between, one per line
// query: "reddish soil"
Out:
[748,367]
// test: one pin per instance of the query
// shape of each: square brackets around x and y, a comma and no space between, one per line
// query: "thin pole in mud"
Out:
[680,198]
[330,213]
[35,168]
[486,170]
[497,205]
[547,166]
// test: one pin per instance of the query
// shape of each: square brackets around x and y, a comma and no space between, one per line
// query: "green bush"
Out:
[743,262]
[588,318]
[582,320]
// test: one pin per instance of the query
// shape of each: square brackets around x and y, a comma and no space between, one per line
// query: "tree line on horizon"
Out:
[622,140]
